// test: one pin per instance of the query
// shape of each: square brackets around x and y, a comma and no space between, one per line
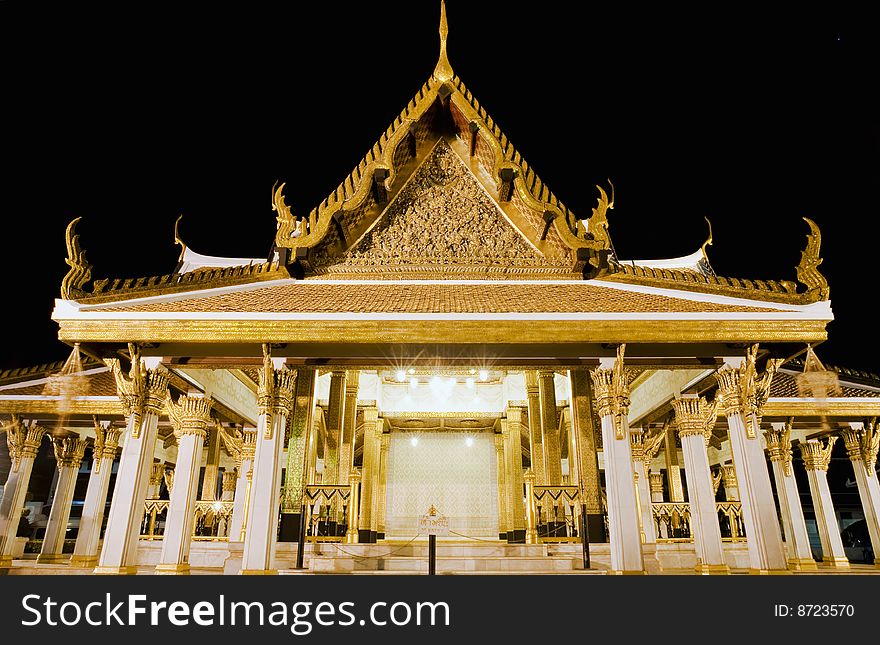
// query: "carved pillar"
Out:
[212,467]
[349,426]
[143,394]
[69,453]
[502,489]
[513,452]
[695,420]
[368,527]
[536,438]
[656,488]
[244,459]
[584,435]
[354,483]
[275,396]
[797,542]
[190,418]
[728,479]
[673,469]
[611,383]
[335,419]
[23,439]
[816,459]
[738,391]
[383,480]
[531,520]
[861,447]
[300,424]
[555,525]
[85,552]
[643,447]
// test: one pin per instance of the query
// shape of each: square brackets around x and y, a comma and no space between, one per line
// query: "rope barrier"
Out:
[373,557]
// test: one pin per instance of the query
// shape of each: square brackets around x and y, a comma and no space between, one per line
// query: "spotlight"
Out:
[414,441]
[472,371]
[411,371]
[413,382]
[469,441]
[435,382]
[401,376]
[470,382]
[450,382]
[484,375]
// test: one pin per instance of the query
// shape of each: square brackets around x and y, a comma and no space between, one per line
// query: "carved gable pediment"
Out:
[442,223]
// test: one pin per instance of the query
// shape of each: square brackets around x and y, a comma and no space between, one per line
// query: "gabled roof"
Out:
[548,239]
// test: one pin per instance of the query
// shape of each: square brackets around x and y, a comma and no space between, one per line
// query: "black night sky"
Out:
[129,117]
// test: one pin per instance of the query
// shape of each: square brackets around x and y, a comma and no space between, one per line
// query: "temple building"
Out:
[440,331]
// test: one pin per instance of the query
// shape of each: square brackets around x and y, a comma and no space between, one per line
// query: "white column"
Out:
[85,552]
[797,542]
[275,396]
[695,420]
[69,453]
[190,416]
[816,459]
[763,535]
[861,446]
[612,401]
[643,485]
[245,459]
[23,439]
[143,395]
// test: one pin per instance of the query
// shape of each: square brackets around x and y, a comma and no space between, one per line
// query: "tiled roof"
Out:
[784,385]
[315,297]
[100,384]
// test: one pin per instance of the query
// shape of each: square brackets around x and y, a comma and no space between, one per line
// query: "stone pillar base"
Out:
[172,569]
[769,572]
[836,562]
[83,561]
[712,569]
[617,572]
[258,572]
[802,564]
[116,571]
[51,558]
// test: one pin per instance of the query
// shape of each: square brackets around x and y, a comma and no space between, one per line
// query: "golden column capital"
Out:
[779,447]
[23,440]
[229,477]
[69,451]
[656,480]
[191,414]
[816,455]
[645,444]
[862,445]
[142,391]
[694,416]
[728,475]
[275,393]
[741,390]
[106,443]
[611,388]
[157,470]
[248,446]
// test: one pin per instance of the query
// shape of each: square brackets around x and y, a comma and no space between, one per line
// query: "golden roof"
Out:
[445,157]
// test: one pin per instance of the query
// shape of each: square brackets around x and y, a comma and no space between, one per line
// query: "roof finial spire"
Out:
[443,72]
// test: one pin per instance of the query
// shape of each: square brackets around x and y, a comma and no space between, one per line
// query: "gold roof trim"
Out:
[783,291]
[443,72]
[123,289]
